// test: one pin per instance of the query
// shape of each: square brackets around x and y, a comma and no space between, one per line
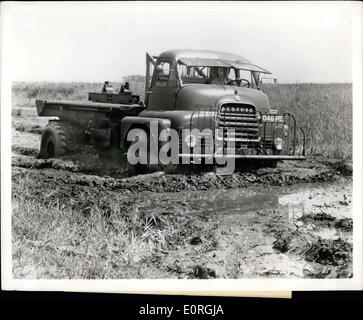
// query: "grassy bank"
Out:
[65,231]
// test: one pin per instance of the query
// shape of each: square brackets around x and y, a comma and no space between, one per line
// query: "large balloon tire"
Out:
[58,139]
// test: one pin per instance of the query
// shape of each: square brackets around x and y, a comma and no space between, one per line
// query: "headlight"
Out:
[286,130]
[258,115]
[190,140]
[278,144]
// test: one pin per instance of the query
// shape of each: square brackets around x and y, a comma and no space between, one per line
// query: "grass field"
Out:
[324,111]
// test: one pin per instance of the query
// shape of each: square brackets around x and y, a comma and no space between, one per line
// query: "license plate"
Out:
[272,118]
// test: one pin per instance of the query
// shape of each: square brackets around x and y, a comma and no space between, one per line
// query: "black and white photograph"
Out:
[172,142]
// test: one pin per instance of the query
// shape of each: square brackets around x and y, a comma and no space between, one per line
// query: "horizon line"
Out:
[93,82]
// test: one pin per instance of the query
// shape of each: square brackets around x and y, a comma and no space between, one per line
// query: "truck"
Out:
[184,90]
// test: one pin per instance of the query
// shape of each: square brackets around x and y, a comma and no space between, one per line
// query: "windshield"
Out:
[216,75]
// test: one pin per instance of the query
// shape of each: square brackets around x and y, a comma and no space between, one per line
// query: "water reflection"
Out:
[290,201]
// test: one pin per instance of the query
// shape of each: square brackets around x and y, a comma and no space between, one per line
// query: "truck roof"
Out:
[190,57]
[203,54]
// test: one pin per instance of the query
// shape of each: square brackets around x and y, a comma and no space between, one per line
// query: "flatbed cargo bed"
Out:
[50,107]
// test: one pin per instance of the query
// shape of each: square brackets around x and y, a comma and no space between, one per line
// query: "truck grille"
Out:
[242,118]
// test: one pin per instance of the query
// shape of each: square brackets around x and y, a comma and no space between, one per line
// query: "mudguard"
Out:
[128,123]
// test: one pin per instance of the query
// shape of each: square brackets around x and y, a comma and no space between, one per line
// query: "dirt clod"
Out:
[195,241]
[203,272]
[321,219]
[344,167]
[329,252]
[345,224]
[283,242]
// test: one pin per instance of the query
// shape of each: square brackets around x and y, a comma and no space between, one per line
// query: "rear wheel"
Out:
[59,138]
[265,164]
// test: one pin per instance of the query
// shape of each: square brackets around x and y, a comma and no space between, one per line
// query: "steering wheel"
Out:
[239,82]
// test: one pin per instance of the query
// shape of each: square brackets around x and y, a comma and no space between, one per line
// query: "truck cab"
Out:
[196,89]
[176,69]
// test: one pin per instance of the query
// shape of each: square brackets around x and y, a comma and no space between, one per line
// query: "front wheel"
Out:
[270,163]
[250,165]
[149,166]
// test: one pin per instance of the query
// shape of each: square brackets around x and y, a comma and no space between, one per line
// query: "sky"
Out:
[90,41]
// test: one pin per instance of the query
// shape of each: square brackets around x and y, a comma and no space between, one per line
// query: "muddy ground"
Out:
[78,217]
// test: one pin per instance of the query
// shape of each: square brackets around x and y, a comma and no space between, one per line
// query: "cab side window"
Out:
[162,73]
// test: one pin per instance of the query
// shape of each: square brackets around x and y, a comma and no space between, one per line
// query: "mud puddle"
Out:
[293,202]
[300,231]
[245,204]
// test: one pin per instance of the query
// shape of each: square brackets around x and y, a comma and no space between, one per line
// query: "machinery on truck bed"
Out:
[184,89]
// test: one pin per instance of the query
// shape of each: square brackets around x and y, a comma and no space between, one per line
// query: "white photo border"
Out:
[177,286]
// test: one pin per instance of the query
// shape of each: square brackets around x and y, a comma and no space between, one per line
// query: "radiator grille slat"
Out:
[245,123]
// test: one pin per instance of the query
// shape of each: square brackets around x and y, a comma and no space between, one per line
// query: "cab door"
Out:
[162,91]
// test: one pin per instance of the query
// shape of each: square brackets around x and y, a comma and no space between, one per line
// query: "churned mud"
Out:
[269,232]
[100,171]
[293,221]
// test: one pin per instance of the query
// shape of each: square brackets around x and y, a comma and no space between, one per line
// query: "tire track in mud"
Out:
[67,172]
[328,257]
[270,247]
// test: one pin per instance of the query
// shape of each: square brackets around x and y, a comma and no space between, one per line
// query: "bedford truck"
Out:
[184,89]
